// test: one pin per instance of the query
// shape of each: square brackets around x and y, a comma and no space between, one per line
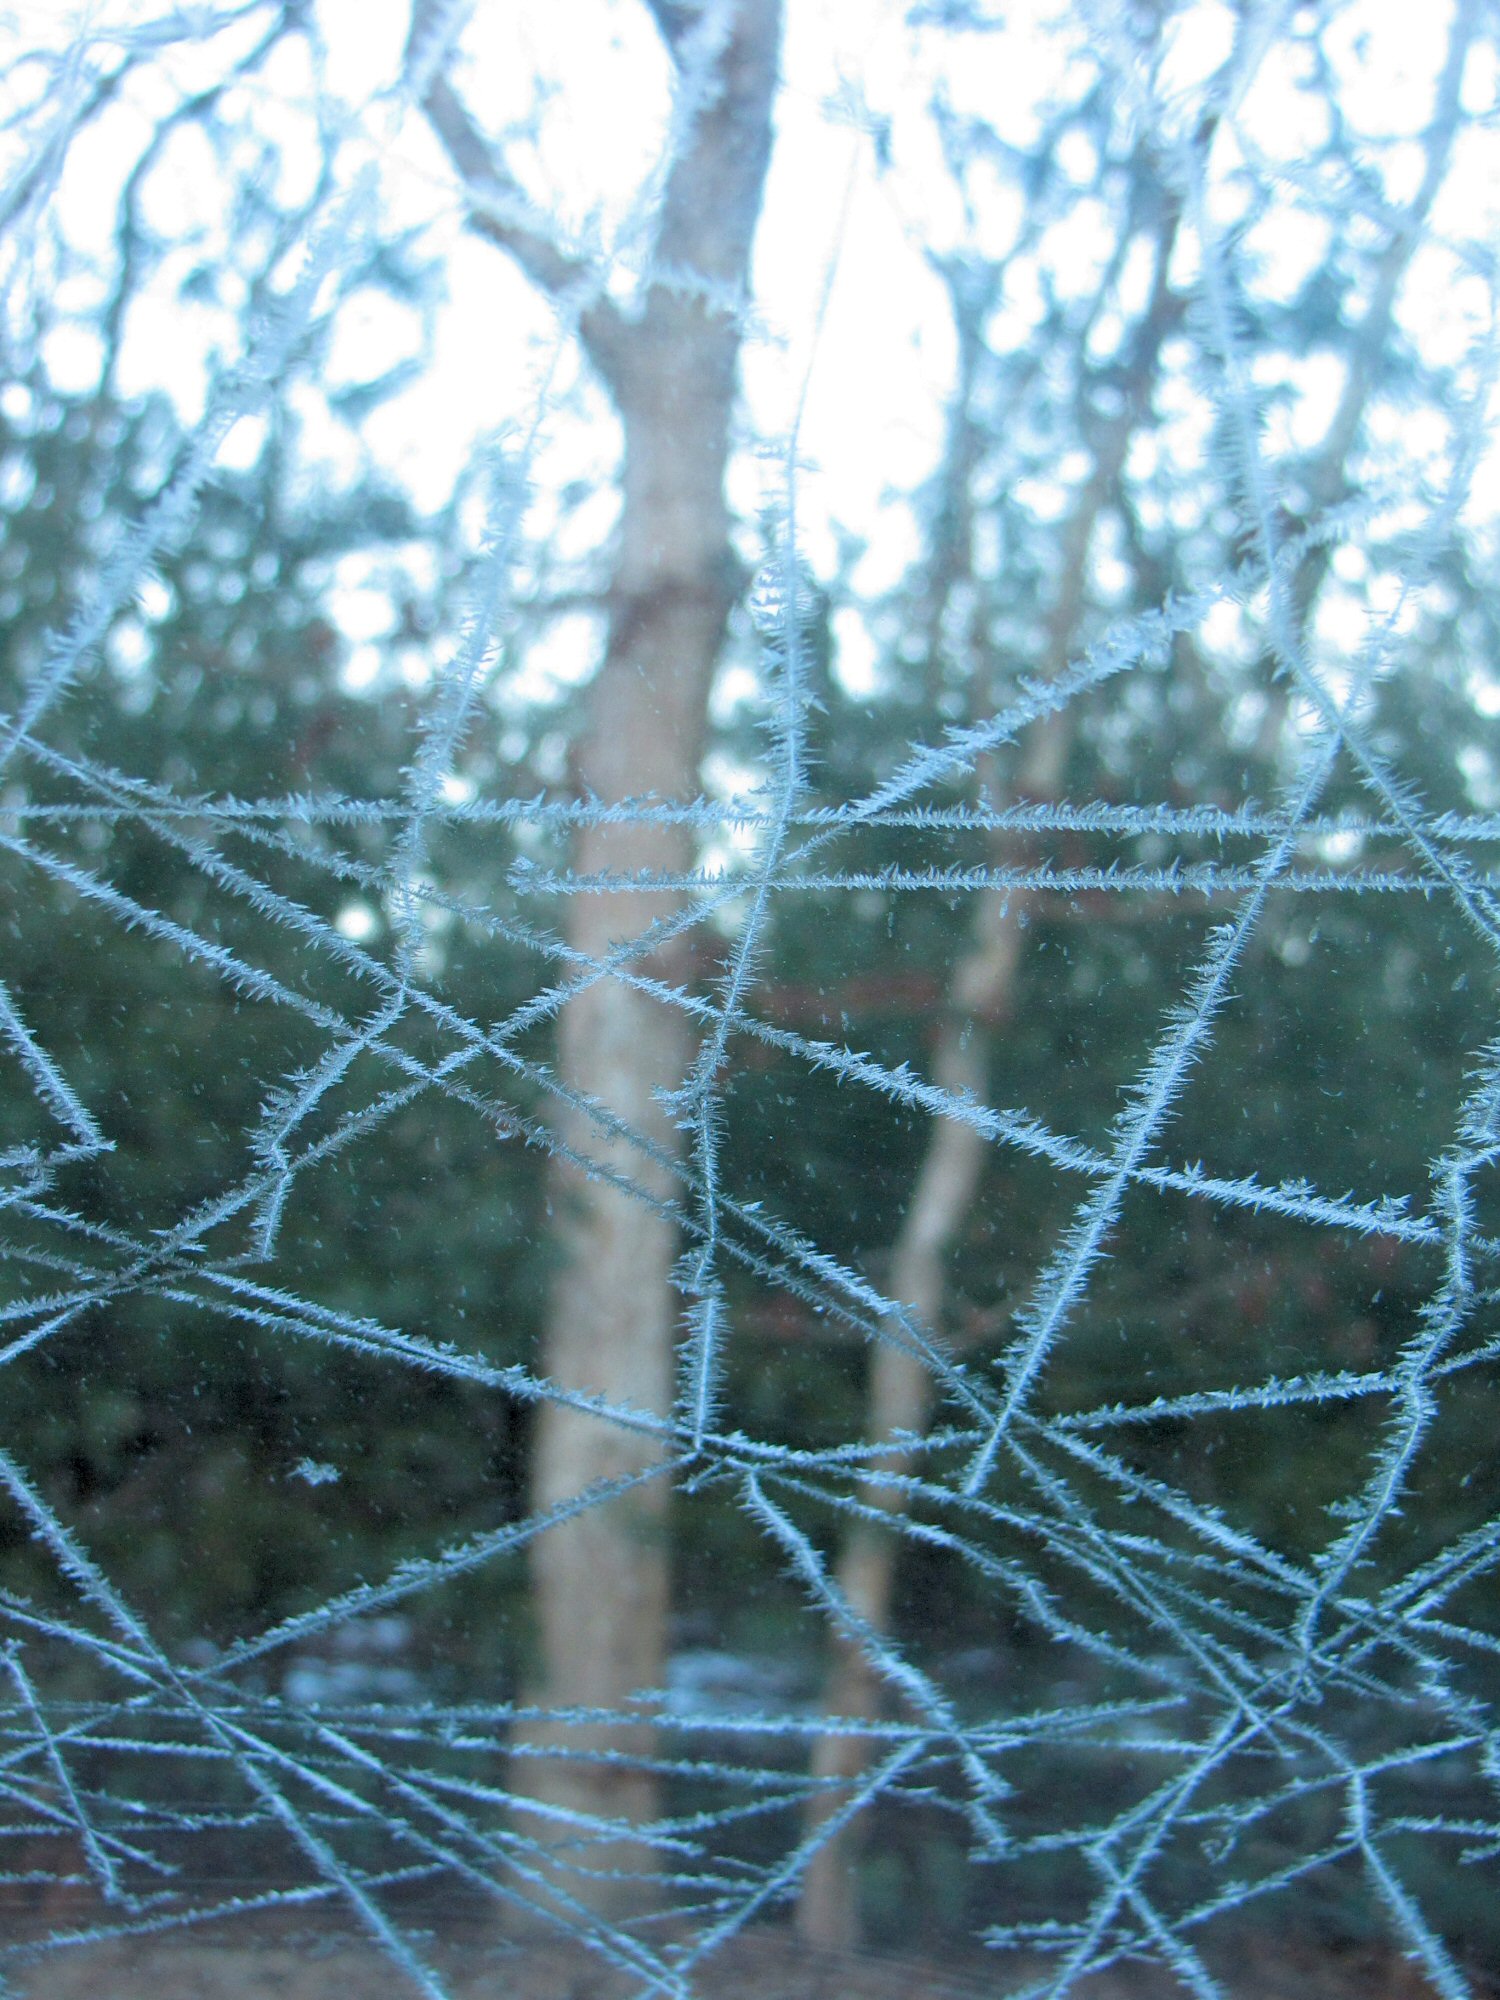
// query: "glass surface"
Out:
[748,1068]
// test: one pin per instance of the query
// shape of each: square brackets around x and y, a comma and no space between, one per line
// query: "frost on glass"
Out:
[1037,1056]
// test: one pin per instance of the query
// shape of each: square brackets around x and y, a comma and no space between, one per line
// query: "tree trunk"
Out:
[900,1394]
[600,1580]
[981,995]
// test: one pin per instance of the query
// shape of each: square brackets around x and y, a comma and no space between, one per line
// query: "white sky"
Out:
[884,349]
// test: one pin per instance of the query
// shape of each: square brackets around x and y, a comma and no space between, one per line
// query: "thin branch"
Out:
[500,209]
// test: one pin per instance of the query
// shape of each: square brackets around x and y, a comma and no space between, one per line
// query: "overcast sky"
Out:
[850,326]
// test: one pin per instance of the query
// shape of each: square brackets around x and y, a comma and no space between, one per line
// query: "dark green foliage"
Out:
[146,1410]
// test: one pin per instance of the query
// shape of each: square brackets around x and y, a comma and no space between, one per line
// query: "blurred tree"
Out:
[1005,589]
[601,1577]
[372,1187]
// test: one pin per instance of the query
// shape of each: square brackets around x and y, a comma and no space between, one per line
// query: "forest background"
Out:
[534,873]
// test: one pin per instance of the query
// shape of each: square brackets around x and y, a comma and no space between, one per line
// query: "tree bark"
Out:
[600,1580]
[981,996]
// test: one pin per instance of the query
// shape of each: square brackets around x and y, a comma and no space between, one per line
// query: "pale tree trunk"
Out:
[980,997]
[600,1581]
[900,1389]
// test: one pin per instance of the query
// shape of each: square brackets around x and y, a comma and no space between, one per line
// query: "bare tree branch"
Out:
[712,195]
[674,21]
[501,210]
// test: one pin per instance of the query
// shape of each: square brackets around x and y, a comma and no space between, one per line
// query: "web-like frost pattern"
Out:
[1229,1689]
